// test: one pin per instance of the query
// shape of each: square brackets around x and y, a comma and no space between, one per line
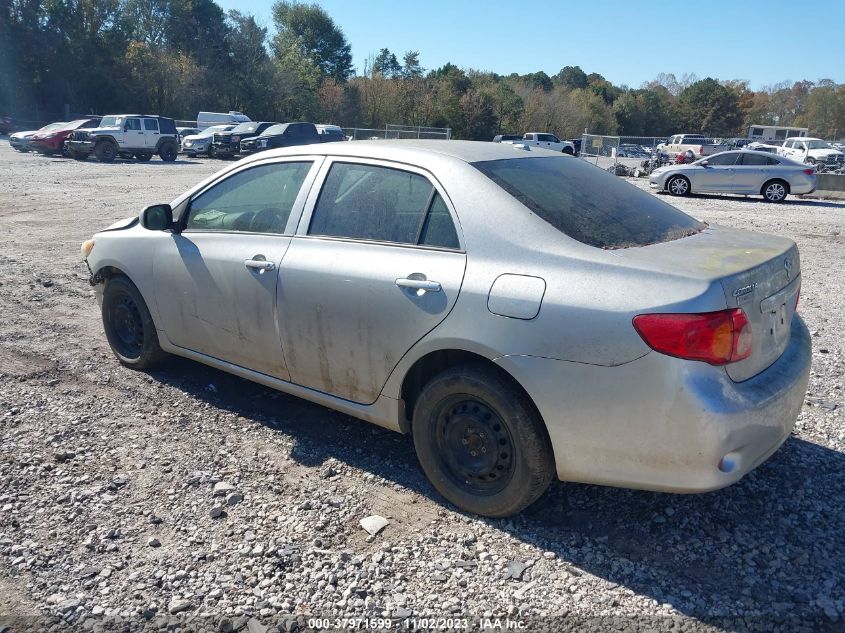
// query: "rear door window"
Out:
[755,160]
[370,202]
[151,125]
[589,204]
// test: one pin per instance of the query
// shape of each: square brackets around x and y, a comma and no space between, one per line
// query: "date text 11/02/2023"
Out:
[416,624]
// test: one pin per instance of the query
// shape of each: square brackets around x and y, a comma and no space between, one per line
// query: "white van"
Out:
[775,132]
[207,119]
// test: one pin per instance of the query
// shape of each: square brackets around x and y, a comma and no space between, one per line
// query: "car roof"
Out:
[406,149]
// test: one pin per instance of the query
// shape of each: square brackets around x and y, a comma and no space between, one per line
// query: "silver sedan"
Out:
[522,314]
[745,172]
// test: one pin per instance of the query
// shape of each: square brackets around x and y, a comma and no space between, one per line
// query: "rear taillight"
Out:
[809,172]
[701,151]
[717,338]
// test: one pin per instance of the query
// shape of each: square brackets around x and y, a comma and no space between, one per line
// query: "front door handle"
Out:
[259,264]
[418,284]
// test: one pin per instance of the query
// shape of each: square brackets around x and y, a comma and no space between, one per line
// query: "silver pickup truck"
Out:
[680,143]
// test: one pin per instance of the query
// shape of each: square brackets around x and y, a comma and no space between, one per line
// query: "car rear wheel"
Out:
[65,151]
[678,186]
[168,152]
[568,150]
[481,442]
[128,325]
[775,191]
[105,151]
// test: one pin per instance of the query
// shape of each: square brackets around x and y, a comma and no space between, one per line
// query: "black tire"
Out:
[212,153]
[168,152]
[65,151]
[568,150]
[775,191]
[128,325]
[463,413]
[105,151]
[678,186]
[145,156]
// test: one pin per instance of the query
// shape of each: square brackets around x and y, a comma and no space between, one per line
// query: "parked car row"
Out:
[143,136]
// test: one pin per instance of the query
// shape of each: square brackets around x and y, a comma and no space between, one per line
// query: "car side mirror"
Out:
[157,217]
[704,163]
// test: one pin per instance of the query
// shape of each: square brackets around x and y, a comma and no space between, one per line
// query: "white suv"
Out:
[127,135]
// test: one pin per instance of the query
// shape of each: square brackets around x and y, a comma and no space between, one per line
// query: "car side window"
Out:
[722,160]
[753,160]
[151,125]
[133,125]
[255,200]
[369,202]
[772,161]
[439,229]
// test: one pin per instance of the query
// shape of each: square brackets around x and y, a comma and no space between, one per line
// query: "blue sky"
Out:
[628,42]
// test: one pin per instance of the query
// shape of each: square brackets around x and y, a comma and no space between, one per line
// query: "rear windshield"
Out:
[589,204]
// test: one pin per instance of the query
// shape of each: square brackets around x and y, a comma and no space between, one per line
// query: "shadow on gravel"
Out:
[771,547]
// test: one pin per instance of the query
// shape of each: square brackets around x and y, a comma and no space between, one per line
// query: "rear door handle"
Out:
[259,264]
[418,284]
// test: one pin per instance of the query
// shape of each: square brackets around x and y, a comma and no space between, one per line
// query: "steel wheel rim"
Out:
[775,191]
[127,327]
[678,186]
[474,445]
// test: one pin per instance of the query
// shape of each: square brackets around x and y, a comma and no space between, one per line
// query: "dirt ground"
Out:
[99,463]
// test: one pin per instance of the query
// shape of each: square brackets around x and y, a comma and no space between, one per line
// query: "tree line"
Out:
[177,57]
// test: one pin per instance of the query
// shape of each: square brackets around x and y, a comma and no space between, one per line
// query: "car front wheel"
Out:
[678,186]
[481,442]
[105,152]
[129,327]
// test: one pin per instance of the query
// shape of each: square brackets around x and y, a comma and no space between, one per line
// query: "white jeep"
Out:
[127,135]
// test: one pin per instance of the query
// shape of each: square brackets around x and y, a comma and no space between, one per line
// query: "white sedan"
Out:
[742,172]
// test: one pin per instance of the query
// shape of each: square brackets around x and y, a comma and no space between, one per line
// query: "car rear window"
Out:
[589,204]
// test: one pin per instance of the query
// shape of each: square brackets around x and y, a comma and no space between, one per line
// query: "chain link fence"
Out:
[392,131]
[623,155]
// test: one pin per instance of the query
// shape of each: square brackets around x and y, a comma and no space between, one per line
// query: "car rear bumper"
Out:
[662,423]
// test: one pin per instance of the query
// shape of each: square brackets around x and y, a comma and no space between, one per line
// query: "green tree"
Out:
[710,107]
[571,77]
[411,65]
[386,64]
[307,34]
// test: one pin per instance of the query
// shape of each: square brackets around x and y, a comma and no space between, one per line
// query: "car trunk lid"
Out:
[759,273]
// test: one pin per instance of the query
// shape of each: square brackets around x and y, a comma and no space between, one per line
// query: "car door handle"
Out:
[418,284]
[259,264]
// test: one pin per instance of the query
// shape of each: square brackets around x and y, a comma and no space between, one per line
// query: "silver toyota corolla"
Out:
[522,314]
[742,172]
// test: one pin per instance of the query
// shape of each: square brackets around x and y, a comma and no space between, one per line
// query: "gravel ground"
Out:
[190,498]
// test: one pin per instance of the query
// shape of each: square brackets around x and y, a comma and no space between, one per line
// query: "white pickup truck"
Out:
[697,143]
[546,141]
[813,151]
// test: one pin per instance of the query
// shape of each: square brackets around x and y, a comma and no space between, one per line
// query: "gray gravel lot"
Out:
[108,513]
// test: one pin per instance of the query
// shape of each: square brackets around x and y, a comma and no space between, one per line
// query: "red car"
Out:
[53,142]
